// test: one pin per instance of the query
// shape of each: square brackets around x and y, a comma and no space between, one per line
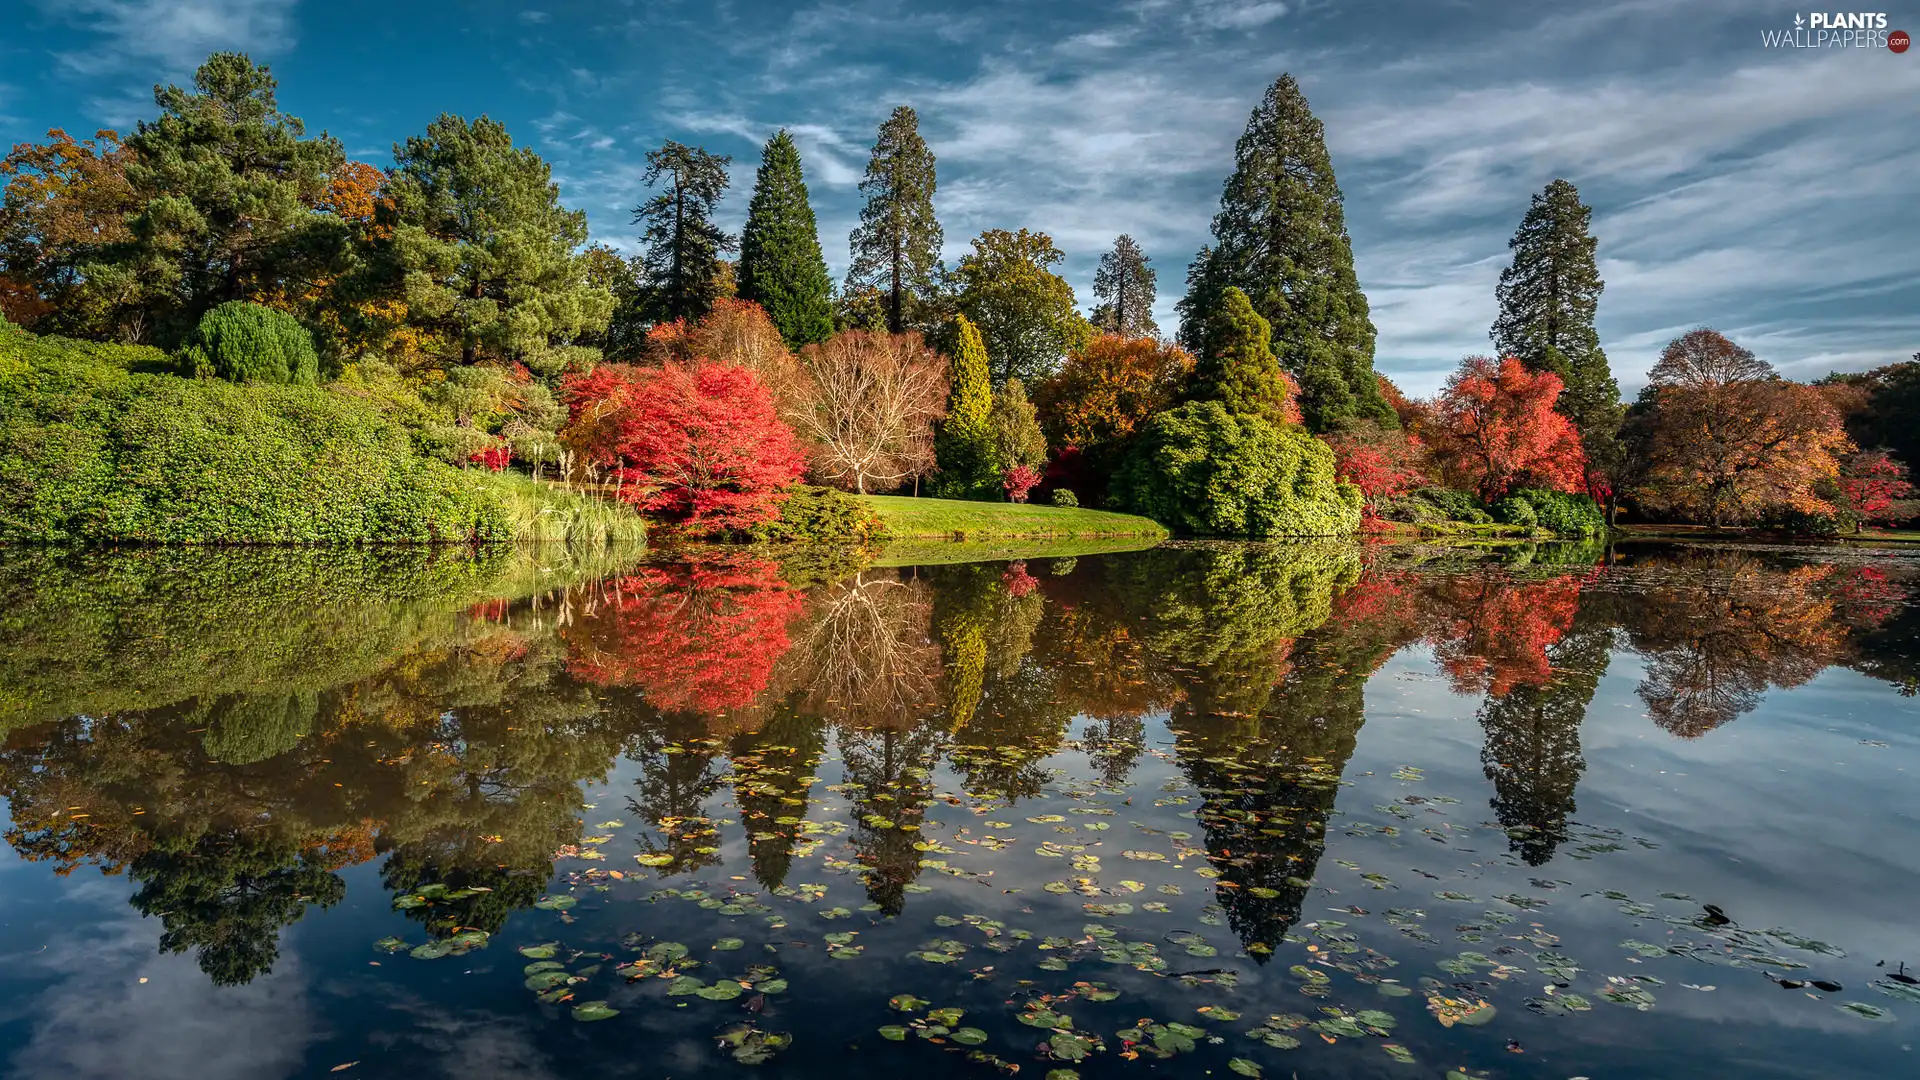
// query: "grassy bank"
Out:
[952,519]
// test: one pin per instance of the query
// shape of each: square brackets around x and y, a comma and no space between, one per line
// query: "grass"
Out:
[541,513]
[943,552]
[952,519]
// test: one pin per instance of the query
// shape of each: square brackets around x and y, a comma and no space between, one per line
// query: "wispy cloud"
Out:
[169,37]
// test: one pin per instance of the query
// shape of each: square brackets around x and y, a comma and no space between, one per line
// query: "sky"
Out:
[1769,193]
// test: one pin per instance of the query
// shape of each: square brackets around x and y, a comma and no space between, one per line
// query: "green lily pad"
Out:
[390,944]
[555,903]
[727,944]
[1244,1067]
[893,1033]
[906,1003]
[589,1011]
[967,1036]
[538,952]
[724,990]
[1865,1011]
[547,980]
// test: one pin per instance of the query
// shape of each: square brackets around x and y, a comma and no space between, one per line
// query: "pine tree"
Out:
[780,264]
[896,249]
[1238,368]
[683,244]
[1017,438]
[1547,303]
[1281,237]
[1125,283]
[964,447]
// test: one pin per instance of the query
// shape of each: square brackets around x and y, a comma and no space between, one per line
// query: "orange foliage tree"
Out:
[64,200]
[1495,429]
[1106,390]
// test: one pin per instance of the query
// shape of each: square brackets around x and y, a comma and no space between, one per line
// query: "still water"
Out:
[1199,810]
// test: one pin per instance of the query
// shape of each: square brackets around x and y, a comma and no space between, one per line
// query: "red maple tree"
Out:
[1871,483]
[1495,429]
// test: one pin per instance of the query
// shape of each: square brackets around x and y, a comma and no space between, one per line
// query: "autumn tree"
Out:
[1024,310]
[1238,368]
[1017,438]
[963,448]
[742,334]
[875,399]
[1281,237]
[1872,486]
[1495,429]
[63,202]
[700,444]
[1382,462]
[896,248]
[683,245]
[1108,388]
[1885,411]
[781,268]
[484,256]
[1728,440]
[1124,285]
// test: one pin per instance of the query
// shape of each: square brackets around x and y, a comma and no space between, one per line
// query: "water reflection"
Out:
[232,730]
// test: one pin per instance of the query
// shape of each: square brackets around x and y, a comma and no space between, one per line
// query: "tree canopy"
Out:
[683,245]
[781,268]
[1124,285]
[896,247]
[1025,311]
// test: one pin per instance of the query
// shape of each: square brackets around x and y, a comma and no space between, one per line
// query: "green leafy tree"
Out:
[963,447]
[1124,284]
[1199,468]
[243,342]
[1238,368]
[227,187]
[896,248]
[1017,439]
[1281,237]
[683,265]
[625,336]
[487,260]
[781,268]
[1547,302]
[1024,310]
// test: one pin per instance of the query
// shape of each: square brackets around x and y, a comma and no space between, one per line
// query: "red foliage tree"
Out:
[1381,462]
[1018,582]
[698,637]
[698,445]
[1872,485]
[494,457]
[1019,481]
[1495,429]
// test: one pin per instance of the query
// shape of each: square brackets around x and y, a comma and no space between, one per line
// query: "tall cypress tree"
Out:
[1281,237]
[682,259]
[896,248]
[1236,366]
[780,264]
[1547,302]
[1125,285]
[964,445]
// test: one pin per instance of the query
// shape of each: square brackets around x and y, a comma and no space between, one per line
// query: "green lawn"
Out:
[925,519]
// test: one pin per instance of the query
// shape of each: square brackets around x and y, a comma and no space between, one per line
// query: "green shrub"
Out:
[243,342]
[1064,497]
[1200,469]
[820,515]
[1454,505]
[1563,513]
[1514,510]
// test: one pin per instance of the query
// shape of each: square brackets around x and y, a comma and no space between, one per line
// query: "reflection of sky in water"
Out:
[1786,817]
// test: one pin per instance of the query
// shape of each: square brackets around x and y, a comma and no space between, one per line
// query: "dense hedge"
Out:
[1200,469]
[243,342]
[820,515]
[1562,513]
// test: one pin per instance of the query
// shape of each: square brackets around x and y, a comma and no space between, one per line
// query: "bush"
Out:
[1064,497]
[1453,504]
[243,342]
[1563,513]
[1514,510]
[820,515]
[1198,468]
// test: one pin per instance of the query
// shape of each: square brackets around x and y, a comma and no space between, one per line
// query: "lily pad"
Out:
[589,1011]
[555,903]
[893,1033]
[1245,1067]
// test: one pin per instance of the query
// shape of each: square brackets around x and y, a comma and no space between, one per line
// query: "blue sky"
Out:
[1769,193]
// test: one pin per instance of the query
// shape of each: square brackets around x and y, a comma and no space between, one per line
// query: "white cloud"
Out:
[534,18]
[169,38]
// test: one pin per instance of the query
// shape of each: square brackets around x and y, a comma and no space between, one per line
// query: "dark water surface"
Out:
[1226,810]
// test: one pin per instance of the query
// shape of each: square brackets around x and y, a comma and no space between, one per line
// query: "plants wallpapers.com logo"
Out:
[1838,30]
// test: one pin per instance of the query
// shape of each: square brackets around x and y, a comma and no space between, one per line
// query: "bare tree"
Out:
[875,399]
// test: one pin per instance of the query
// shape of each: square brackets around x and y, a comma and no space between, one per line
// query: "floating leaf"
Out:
[1865,1011]
[967,1036]
[893,1033]
[555,903]
[593,1010]
[1244,1067]
[538,952]
[906,1003]
[727,944]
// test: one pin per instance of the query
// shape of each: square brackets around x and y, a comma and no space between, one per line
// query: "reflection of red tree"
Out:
[1496,633]
[1019,583]
[699,637]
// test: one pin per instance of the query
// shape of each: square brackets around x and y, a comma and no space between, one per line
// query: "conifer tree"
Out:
[964,447]
[1547,302]
[780,264]
[896,248]
[1281,237]
[1238,368]
[1124,283]
[682,259]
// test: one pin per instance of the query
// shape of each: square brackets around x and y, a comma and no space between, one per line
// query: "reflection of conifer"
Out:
[677,775]
[1532,750]
[1114,745]
[1016,716]
[894,771]
[770,771]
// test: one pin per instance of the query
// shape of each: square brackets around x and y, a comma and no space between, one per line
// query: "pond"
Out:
[1205,809]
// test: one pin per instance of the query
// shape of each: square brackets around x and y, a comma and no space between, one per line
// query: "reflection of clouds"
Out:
[101,1021]
[471,1045]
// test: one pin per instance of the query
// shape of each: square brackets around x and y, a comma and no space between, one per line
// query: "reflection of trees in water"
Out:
[863,651]
[771,768]
[1002,705]
[678,773]
[891,776]
[1532,748]
[1492,633]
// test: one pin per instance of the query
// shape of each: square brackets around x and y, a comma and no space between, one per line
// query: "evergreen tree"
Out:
[780,264]
[1238,368]
[1017,438]
[489,262]
[1281,237]
[1547,302]
[682,260]
[964,448]
[896,249]
[1125,284]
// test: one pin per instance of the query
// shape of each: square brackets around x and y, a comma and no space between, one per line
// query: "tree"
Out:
[624,338]
[1017,439]
[1200,468]
[1382,462]
[896,248]
[963,449]
[1728,440]
[1281,237]
[1238,368]
[780,264]
[740,333]
[875,400]
[682,259]
[226,186]
[1124,284]
[1872,486]
[1495,429]
[698,444]
[63,202]
[483,255]
[1107,389]
[1885,413]
[244,342]
[1024,310]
